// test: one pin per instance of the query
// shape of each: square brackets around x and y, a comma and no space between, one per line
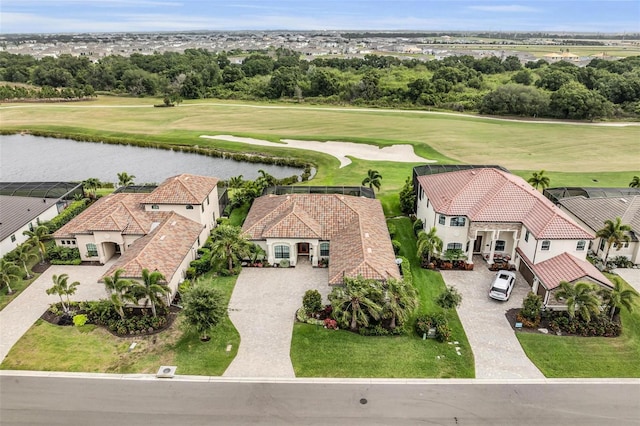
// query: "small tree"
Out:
[125,179]
[91,185]
[356,302]
[204,308]
[614,233]
[229,244]
[428,244]
[618,298]
[531,307]
[539,180]
[635,182]
[407,198]
[61,287]
[373,179]
[401,299]
[24,253]
[118,290]
[449,298]
[312,301]
[37,237]
[580,298]
[152,287]
[8,273]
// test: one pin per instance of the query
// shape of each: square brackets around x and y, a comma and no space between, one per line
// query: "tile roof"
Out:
[565,267]
[355,226]
[164,249]
[122,213]
[182,189]
[15,212]
[594,211]
[492,195]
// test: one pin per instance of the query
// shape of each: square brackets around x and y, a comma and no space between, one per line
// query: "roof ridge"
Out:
[179,179]
[133,216]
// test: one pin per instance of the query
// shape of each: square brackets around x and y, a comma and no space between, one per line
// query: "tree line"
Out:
[488,85]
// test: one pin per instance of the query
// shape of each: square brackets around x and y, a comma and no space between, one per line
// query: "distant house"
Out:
[488,211]
[561,56]
[19,214]
[161,230]
[349,232]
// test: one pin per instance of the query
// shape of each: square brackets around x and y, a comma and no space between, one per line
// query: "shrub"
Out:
[529,315]
[66,215]
[405,270]
[312,301]
[379,330]
[392,229]
[284,263]
[417,226]
[330,324]
[426,322]
[396,246]
[79,320]
[443,332]
[450,298]
[63,254]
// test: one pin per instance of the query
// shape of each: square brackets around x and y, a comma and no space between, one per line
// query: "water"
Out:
[27,158]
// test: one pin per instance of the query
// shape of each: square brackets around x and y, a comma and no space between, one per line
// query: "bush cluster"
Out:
[65,216]
[600,325]
[136,321]
[437,321]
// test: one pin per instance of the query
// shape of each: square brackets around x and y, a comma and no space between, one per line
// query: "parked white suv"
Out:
[502,285]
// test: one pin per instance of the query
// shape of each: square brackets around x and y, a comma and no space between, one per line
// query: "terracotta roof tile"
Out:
[182,189]
[492,195]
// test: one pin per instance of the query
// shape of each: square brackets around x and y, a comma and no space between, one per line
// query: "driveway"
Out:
[17,317]
[632,276]
[262,308]
[497,351]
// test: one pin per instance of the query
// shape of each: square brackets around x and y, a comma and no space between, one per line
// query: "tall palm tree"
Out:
[118,290]
[614,233]
[8,273]
[428,244]
[539,180]
[236,182]
[635,182]
[150,289]
[619,297]
[61,287]
[91,185]
[400,300]
[125,179]
[37,237]
[354,303]
[580,298]
[373,179]
[229,244]
[24,254]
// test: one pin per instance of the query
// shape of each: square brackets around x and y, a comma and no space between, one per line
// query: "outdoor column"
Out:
[470,242]
[513,248]
[492,246]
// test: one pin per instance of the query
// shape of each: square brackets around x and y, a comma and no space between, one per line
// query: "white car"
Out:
[502,285]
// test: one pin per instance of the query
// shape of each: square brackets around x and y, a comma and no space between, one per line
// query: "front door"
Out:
[477,244]
[303,249]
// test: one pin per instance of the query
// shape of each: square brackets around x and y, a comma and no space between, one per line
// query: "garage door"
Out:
[526,272]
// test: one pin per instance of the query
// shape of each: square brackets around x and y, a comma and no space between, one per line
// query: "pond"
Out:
[25,158]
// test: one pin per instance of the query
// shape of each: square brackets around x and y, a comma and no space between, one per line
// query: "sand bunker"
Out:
[340,150]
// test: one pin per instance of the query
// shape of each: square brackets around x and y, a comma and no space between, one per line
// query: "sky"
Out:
[73,16]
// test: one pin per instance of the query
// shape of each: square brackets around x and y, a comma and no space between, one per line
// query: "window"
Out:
[441,220]
[602,243]
[458,221]
[30,226]
[155,207]
[626,244]
[189,207]
[454,246]
[526,236]
[324,249]
[64,242]
[92,250]
[281,252]
[500,245]
[13,238]
[202,208]
[581,245]
[545,245]
[207,200]
[421,193]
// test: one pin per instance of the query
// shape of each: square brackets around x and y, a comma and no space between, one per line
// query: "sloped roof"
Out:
[164,249]
[182,189]
[355,226]
[18,211]
[492,195]
[122,213]
[594,211]
[565,267]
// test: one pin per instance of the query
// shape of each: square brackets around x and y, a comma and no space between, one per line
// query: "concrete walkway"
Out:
[632,276]
[262,308]
[497,351]
[24,310]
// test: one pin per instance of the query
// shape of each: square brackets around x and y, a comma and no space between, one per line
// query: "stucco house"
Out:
[19,214]
[160,231]
[350,232]
[487,211]
[591,213]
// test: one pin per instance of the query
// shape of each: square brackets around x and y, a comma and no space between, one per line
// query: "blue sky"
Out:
[57,16]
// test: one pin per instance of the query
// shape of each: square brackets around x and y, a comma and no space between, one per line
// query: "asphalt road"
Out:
[144,400]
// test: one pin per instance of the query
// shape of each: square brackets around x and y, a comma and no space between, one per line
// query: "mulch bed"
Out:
[511,317]
[40,267]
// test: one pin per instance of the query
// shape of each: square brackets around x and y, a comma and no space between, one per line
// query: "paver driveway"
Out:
[262,308]
[17,317]
[497,351]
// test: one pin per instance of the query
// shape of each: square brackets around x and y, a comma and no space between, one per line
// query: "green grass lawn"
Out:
[49,347]
[569,356]
[19,285]
[318,352]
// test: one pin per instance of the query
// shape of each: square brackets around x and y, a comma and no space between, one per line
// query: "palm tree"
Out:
[118,290]
[373,179]
[23,253]
[236,182]
[401,299]
[8,273]
[150,288]
[62,287]
[614,234]
[125,179]
[580,298]
[428,244]
[619,297]
[539,180]
[37,237]
[229,244]
[356,302]
[635,182]
[91,185]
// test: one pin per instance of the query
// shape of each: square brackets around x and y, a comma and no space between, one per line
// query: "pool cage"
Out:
[57,190]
